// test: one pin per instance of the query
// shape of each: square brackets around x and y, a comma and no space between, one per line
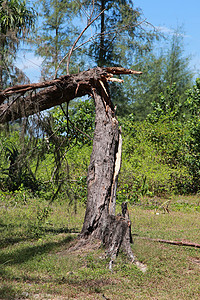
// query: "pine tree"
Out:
[177,68]
[16,20]
[162,69]
[55,35]
[119,33]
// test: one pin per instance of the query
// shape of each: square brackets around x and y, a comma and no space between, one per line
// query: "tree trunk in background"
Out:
[102,50]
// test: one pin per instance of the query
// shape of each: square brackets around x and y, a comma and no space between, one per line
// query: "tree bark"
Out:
[102,166]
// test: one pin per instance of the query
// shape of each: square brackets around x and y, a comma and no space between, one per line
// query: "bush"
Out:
[153,159]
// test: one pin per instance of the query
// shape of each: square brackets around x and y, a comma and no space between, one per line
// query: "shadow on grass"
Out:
[11,241]
[62,230]
[18,256]
[91,285]
[31,233]
[10,237]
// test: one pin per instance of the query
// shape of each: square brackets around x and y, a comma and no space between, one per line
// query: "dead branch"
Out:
[54,92]
[78,38]
[76,41]
[111,32]
[21,89]
[178,243]
[119,71]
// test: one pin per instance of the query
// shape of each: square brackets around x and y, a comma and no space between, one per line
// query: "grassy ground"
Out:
[36,261]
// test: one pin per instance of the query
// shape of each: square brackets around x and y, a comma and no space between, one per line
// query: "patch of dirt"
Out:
[47,296]
[195,260]
[81,247]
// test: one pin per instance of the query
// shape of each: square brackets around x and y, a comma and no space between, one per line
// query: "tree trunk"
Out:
[101,168]
[100,221]
[101,60]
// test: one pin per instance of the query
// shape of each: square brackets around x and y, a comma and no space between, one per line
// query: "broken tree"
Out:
[100,220]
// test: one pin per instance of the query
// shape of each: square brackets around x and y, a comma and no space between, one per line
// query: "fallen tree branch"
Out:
[54,92]
[119,71]
[178,243]
[21,89]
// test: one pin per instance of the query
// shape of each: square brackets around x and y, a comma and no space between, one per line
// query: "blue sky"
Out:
[163,14]
[170,14]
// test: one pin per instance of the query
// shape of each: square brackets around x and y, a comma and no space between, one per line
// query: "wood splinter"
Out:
[101,82]
[115,80]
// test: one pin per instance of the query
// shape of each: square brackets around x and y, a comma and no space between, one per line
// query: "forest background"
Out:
[48,155]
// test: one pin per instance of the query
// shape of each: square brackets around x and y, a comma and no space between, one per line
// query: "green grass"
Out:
[36,260]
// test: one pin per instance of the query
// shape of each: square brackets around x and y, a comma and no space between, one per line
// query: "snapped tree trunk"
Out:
[100,221]
[102,166]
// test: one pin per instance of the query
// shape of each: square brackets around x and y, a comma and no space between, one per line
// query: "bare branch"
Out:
[78,38]
[92,11]
[119,70]
[83,9]
[178,243]
[115,80]
[105,33]
[73,47]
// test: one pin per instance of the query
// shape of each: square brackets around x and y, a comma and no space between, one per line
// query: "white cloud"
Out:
[30,65]
[170,31]
[164,29]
